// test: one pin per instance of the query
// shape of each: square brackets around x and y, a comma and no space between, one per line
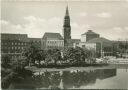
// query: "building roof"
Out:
[52,36]
[34,39]
[102,40]
[89,32]
[19,37]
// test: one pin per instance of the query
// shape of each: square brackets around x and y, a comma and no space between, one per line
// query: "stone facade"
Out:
[52,40]
[13,44]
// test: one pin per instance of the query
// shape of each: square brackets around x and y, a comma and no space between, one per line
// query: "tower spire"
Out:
[66,28]
[67,12]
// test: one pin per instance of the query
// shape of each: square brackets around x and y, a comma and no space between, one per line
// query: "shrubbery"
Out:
[15,74]
[55,57]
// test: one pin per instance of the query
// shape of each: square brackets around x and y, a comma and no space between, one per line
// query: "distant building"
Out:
[91,40]
[35,41]
[106,45]
[72,41]
[121,48]
[96,47]
[86,45]
[13,44]
[89,35]
[52,40]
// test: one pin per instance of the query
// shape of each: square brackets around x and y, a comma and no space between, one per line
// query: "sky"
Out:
[107,18]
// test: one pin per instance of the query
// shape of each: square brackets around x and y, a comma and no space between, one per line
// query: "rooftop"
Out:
[89,32]
[100,40]
[8,36]
[52,35]
[34,39]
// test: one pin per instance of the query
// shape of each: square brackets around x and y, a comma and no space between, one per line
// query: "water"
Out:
[83,79]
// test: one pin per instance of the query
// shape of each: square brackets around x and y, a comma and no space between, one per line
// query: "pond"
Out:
[83,79]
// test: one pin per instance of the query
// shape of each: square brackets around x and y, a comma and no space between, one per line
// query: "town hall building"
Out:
[52,40]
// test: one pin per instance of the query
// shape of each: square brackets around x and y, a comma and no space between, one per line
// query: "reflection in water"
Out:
[71,79]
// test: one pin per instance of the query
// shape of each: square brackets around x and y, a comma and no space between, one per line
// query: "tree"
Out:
[69,55]
[5,61]
[53,56]
[90,55]
[18,75]
[56,55]
[80,55]
[75,55]
[40,55]
[31,54]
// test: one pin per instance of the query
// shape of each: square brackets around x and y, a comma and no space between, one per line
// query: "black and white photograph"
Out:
[64,44]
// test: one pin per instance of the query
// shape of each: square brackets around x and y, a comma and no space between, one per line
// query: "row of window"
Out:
[11,51]
[55,43]
[14,43]
[12,47]
[54,47]
[15,57]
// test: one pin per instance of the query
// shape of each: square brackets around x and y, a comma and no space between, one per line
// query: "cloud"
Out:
[78,29]
[115,33]
[34,26]
[74,25]
[104,15]
[3,22]
[82,14]
[7,27]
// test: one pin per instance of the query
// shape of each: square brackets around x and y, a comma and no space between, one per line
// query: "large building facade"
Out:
[52,40]
[13,44]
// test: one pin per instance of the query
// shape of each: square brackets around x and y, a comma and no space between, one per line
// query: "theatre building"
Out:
[92,41]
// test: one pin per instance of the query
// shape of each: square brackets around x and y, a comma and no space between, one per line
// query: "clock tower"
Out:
[66,28]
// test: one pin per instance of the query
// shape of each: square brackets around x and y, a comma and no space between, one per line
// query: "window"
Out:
[25,43]
[12,43]
[83,46]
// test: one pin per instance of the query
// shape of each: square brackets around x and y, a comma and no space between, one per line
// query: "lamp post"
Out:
[101,49]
